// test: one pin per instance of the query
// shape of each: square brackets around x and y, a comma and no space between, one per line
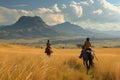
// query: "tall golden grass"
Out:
[29,63]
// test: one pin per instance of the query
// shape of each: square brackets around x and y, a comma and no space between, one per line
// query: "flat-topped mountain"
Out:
[27,27]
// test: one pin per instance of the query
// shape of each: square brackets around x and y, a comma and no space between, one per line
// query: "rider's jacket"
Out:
[48,44]
[87,45]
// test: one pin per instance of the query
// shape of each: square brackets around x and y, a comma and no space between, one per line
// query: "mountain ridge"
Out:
[27,27]
[35,27]
[69,28]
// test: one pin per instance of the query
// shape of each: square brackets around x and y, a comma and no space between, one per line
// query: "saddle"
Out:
[91,53]
[48,50]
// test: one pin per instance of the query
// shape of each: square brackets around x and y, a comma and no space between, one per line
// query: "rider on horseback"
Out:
[87,54]
[48,48]
[86,47]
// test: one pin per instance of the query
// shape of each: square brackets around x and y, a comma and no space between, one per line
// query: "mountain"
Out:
[71,29]
[27,27]
[35,27]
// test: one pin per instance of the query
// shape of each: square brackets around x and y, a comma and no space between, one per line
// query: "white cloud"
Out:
[74,3]
[51,16]
[56,8]
[20,5]
[110,6]
[99,12]
[2,19]
[53,19]
[76,9]
[45,10]
[91,1]
[24,12]
[84,2]
[8,16]
[106,19]
[64,6]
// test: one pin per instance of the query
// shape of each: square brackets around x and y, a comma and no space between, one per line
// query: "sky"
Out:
[101,15]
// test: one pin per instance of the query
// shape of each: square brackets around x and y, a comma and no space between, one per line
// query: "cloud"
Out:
[20,5]
[76,8]
[91,1]
[99,12]
[51,15]
[56,8]
[64,6]
[8,16]
[45,10]
[110,7]
[84,3]
[2,19]
[25,13]
[53,19]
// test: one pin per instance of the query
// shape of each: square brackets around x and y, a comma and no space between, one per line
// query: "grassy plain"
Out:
[29,63]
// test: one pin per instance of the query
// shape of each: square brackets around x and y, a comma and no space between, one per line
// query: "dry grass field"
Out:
[29,63]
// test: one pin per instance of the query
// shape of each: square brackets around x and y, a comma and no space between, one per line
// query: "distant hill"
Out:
[114,33]
[105,34]
[71,29]
[27,27]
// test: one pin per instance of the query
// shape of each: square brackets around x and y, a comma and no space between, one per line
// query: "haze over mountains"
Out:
[35,27]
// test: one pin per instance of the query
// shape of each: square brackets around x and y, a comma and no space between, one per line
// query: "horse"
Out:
[48,51]
[87,56]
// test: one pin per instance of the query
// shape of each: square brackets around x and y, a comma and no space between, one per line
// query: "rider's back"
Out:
[87,45]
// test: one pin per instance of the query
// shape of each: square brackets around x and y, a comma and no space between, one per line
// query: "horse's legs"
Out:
[87,65]
[83,62]
[91,63]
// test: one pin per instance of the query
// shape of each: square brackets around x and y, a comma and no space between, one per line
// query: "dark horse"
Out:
[87,56]
[48,51]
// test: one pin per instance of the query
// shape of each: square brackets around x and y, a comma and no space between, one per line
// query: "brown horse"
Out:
[48,51]
[87,56]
